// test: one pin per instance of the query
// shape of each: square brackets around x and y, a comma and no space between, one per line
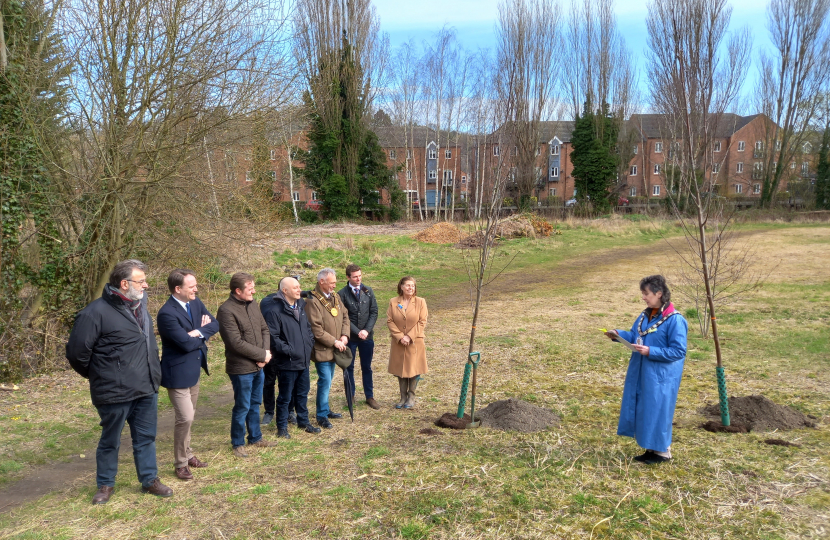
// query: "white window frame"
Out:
[447,175]
[807,148]
[273,154]
[739,188]
[408,154]
[313,195]
[552,192]
[463,179]
[656,168]
[792,165]
[554,150]
[633,171]
[739,167]
[433,153]
[741,146]
[409,175]
[496,150]
[658,148]
[448,154]
[295,196]
[759,146]
[635,149]
[756,188]
[554,172]
[805,168]
[632,192]
[717,146]
[715,168]
[393,154]
[433,175]
[655,190]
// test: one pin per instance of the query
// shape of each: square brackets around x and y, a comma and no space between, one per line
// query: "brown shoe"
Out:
[239,451]
[262,443]
[372,403]
[196,464]
[103,495]
[158,489]
[183,473]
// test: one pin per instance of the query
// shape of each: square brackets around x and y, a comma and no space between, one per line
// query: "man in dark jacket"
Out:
[185,325]
[112,344]
[291,344]
[362,305]
[247,350]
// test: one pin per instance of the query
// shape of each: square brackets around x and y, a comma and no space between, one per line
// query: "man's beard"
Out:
[134,294]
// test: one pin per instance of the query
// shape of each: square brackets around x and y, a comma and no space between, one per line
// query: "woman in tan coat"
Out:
[406,318]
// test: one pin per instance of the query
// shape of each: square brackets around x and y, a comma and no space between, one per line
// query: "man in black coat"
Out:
[185,325]
[291,345]
[362,305]
[112,344]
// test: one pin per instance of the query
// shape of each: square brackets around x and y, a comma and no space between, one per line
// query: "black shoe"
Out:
[283,433]
[654,459]
[335,415]
[324,423]
[642,458]
[308,428]
[267,418]
[292,418]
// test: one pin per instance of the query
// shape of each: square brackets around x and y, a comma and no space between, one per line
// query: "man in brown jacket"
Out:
[329,319]
[247,350]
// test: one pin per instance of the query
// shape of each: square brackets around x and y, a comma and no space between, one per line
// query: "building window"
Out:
[463,179]
[433,175]
[495,150]
[756,188]
[447,175]
[392,154]
[716,168]
[792,165]
[248,176]
[739,167]
[273,154]
[295,196]
[717,146]
[635,149]
[448,154]
[554,150]
[313,195]
[658,148]
[805,168]
[633,170]
[759,145]
[807,148]
[433,154]
[739,188]
[515,150]
[552,192]
[655,190]
[633,191]
[409,154]
[741,146]
[554,172]
[774,165]
[409,175]
[656,168]
[777,145]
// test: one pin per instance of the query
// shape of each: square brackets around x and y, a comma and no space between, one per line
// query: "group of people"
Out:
[268,346]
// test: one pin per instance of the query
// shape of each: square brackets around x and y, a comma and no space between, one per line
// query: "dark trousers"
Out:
[269,395]
[294,387]
[366,348]
[247,395]
[142,415]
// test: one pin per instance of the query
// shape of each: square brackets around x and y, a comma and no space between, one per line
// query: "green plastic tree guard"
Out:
[465,382]
[722,396]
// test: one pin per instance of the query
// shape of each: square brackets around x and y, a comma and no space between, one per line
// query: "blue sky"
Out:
[475,21]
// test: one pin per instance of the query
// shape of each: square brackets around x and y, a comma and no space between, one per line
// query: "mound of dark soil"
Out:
[516,415]
[758,413]
[715,426]
[450,421]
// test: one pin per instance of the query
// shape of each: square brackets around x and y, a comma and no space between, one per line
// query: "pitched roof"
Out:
[655,126]
[395,136]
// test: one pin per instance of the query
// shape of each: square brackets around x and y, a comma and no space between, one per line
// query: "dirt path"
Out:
[80,472]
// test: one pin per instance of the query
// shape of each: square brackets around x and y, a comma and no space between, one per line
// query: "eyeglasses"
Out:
[140,281]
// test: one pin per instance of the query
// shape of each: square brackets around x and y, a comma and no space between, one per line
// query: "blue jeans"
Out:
[325,372]
[142,415]
[366,348]
[247,395]
[293,386]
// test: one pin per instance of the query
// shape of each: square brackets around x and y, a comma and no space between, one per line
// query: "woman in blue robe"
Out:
[654,372]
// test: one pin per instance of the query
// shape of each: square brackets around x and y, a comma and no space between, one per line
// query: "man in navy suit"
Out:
[184,325]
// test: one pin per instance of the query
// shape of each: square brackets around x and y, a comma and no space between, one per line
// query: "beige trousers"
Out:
[184,404]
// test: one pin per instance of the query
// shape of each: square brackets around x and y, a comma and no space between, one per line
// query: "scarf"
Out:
[133,305]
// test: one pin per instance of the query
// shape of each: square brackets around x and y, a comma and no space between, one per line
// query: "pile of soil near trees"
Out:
[440,233]
[451,421]
[755,413]
[516,415]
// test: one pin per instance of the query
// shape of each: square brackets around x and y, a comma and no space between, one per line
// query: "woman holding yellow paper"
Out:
[658,337]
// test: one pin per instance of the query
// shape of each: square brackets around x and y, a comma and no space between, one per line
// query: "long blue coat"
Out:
[652,382]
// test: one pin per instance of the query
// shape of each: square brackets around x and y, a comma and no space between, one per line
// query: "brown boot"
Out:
[410,393]
[103,495]
[404,386]
[158,489]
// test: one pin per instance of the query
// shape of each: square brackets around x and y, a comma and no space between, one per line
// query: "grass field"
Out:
[539,339]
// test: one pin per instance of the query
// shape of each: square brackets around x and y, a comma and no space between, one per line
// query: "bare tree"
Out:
[529,58]
[791,84]
[404,100]
[696,73]
[153,80]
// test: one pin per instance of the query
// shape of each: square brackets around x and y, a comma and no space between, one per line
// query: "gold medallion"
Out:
[334,312]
